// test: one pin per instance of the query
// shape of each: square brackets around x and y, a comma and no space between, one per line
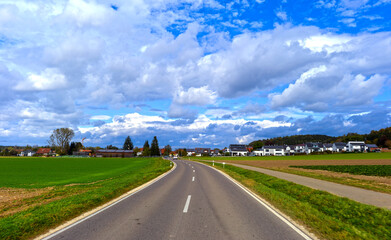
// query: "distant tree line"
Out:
[381,138]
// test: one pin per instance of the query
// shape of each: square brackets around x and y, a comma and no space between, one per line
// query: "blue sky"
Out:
[193,73]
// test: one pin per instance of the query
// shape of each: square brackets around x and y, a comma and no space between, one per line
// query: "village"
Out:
[233,150]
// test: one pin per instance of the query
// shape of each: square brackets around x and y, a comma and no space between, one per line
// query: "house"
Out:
[273,150]
[45,152]
[238,150]
[339,147]
[26,153]
[300,148]
[190,152]
[114,153]
[372,148]
[313,147]
[258,152]
[140,152]
[202,152]
[289,150]
[356,146]
[328,147]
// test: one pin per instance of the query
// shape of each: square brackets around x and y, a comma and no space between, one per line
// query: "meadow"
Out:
[368,170]
[41,193]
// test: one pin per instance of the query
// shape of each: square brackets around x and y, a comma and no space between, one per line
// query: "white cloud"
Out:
[282,15]
[49,79]
[195,96]
[100,117]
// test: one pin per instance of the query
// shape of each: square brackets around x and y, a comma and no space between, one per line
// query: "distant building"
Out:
[26,153]
[339,147]
[238,150]
[356,146]
[45,152]
[372,148]
[202,152]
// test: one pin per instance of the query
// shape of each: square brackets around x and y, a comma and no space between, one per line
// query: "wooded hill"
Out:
[382,138]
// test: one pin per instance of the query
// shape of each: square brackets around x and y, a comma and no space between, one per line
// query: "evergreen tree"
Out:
[146,150]
[155,151]
[128,145]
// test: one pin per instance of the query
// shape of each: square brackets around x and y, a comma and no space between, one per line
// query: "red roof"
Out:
[43,150]
[85,150]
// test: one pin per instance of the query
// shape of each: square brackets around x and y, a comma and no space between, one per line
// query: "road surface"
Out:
[192,202]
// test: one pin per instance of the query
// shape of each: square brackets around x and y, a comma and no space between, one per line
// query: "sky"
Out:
[193,73]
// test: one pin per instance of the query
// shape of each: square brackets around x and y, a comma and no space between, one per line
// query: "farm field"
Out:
[368,170]
[39,193]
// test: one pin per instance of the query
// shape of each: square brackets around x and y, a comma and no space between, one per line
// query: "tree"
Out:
[167,150]
[60,139]
[128,145]
[74,147]
[146,150]
[155,151]
[111,147]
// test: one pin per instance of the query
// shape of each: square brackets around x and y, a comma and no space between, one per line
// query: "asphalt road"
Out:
[192,202]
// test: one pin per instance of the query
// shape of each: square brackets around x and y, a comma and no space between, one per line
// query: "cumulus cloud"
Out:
[49,79]
[195,96]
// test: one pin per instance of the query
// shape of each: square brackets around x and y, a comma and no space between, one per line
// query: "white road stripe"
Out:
[193,170]
[187,204]
[193,179]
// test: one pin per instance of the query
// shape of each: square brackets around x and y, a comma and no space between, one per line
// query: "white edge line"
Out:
[263,202]
[187,204]
[121,198]
[192,179]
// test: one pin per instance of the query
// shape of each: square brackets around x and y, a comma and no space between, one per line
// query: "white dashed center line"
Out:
[192,179]
[187,204]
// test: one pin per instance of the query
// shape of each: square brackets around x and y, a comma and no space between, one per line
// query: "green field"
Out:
[326,215]
[68,187]
[336,156]
[369,170]
[45,172]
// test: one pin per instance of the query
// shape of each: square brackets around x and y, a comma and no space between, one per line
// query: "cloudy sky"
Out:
[194,73]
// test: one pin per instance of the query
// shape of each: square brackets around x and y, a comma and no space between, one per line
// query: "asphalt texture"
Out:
[378,199]
[192,202]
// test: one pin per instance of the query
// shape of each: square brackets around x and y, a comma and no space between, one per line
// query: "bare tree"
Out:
[61,137]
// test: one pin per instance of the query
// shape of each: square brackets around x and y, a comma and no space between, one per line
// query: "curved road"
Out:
[192,202]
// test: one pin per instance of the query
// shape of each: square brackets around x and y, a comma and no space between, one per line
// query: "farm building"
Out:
[114,153]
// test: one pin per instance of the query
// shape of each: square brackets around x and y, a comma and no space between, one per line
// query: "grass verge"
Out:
[68,201]
[324,214]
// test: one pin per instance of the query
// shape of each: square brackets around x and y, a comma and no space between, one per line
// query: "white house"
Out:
[273,151]
[356,146]
[313,147]
[238,150]
[190,152]
[300,148]
[339,147]
[328,147]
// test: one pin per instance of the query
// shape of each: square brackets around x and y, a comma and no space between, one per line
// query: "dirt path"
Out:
[378,199]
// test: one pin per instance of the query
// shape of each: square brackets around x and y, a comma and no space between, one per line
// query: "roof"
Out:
[340,144]
[372,146]
[43,150]
[328,145]
[190,150]
[114,151]
[202,150]
[238,147]
[273,147]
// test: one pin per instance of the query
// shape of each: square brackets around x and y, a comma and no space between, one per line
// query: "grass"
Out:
[335,156]
[361,183]
[78,185]
[324,214]
[368,170]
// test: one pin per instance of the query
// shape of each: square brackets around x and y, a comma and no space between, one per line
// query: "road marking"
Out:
[281,217]
[192,167]
[192,179]
[187,204]
[193,170]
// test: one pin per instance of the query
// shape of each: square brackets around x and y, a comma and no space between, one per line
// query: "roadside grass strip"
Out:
[325,215]
[65,202]
[368,170]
